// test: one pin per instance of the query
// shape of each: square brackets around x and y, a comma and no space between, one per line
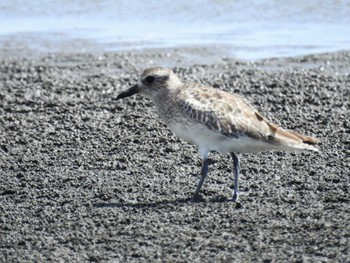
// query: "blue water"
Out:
[248,29]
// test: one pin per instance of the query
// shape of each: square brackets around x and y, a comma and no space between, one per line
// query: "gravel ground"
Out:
[85,178]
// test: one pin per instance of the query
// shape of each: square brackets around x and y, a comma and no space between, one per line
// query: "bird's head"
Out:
[153,83]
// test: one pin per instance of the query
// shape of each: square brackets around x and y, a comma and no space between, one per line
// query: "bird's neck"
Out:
[165,104]
[162,98]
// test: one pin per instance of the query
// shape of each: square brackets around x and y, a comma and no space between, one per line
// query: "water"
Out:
[248,29]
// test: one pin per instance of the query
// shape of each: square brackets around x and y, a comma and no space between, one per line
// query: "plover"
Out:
[214,120]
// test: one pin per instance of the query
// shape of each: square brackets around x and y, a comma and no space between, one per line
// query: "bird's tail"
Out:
[291,141]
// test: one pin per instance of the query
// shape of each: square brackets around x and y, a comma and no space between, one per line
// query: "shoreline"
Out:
[21,46]
[328,62]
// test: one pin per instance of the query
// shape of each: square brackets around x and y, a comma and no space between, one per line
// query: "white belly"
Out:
[208,140]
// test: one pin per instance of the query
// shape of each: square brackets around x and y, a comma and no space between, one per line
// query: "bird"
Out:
[214,120]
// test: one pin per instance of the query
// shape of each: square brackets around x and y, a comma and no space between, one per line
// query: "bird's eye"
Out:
[150,79]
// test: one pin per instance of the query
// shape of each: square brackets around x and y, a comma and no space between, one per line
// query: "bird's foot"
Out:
[197,199]
[235,200]
[235,197]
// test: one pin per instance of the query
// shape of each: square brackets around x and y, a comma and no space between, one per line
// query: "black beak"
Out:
[129,92]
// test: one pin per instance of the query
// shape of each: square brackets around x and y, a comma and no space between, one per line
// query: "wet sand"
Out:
[87,179]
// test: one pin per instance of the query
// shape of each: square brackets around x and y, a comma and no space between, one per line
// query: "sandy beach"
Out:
[85,178]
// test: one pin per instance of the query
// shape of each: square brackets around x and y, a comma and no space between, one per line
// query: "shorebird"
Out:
[214,120]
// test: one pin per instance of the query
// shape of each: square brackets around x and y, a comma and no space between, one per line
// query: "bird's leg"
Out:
[236,190]
[204,173]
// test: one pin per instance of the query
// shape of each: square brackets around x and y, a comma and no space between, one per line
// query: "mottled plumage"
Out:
[214,120]
[234,117]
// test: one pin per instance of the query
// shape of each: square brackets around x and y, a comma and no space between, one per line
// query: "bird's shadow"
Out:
[165,203]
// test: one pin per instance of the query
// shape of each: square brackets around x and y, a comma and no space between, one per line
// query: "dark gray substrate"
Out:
[86,178]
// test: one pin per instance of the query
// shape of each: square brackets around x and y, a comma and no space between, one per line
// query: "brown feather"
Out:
[233,116]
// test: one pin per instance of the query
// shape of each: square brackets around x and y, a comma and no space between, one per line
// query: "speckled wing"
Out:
[222,112]
[234,117]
